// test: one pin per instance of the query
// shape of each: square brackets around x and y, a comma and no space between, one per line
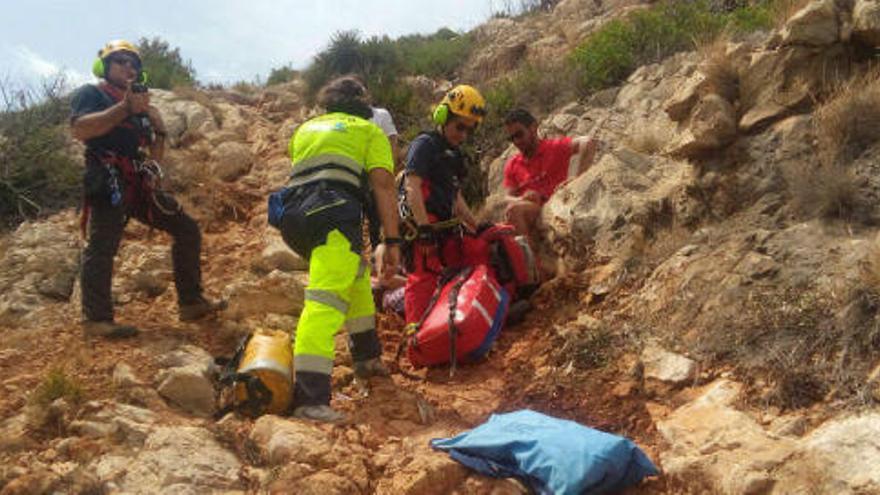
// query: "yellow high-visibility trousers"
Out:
[338,293]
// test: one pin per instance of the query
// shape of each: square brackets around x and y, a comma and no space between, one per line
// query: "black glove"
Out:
[425,233]
[484,227]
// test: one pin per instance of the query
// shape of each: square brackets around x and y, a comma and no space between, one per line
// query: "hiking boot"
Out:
[517,312]
[322,413]
[201,308]
[370,367]
[108,329]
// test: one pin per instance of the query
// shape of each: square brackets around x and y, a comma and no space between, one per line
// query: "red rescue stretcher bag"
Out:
[511,257]
[462,322]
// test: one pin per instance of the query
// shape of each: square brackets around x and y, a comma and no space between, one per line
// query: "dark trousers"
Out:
[105,231]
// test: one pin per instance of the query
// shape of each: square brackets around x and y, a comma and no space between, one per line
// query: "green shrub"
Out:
[438,55]
[164,66]
[280,75]
[649,35]
[38,175]
[57,385]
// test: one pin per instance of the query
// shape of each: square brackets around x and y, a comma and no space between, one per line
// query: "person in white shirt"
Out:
[382,118]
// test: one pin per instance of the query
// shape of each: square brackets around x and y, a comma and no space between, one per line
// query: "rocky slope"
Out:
[703,307]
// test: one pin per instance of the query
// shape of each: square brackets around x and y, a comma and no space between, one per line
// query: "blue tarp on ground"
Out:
[554,456]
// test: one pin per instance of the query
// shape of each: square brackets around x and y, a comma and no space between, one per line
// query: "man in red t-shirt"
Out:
[542,165]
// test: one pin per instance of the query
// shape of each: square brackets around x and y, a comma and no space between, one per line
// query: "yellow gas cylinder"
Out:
[267,359]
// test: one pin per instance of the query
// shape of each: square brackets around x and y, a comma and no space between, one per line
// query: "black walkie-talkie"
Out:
[142,118]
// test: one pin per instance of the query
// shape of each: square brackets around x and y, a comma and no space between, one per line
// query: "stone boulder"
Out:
[283,441]
[720,449]
[712,126]
[143,268]
[780,82]
[623,192]
[660,364]
[816,24]
[277,292]
[277,255]
[39,265]
[182,116]
[231,160]
[866,22]
[845,453]
[679,106]
[186,380]
[179,459]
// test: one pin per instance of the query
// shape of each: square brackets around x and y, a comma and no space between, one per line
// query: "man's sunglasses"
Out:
[125,60]
[516,135]
[462,127]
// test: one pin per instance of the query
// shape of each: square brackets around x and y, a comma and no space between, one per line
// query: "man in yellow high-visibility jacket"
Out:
[337,159]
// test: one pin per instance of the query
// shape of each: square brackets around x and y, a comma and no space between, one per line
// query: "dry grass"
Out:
[869,270]
[798,346]
[848,122]
[722,76]
[826,191]
[783,10]
[57,385]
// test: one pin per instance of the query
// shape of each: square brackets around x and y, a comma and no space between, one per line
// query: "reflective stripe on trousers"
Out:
[339,293]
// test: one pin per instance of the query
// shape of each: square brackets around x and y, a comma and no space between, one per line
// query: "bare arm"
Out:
[382,183]
[100,123]
[395,149]
[463,211]
[157,147]
[413,185]
[585,150]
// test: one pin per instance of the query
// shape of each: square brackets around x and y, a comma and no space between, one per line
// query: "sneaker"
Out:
[201,308]
[108,329]
[370,367]
[322,413]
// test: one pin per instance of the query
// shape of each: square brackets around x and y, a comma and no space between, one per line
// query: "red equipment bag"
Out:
[463,320]
[511,256]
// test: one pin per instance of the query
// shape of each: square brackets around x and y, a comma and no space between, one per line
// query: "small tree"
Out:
[280,75]
[164,66]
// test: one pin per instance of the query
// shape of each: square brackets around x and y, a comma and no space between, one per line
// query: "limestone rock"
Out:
[618,194]
[660,364]
[284,441]
[425,475]
[866,22]
[39,265]
[679,106]
[125,377]
[816,24]
[277,292]
[144,268]
[712,126]
[14,435]
[714,444]
[173,460]
[231,160]
[840,442]
[277,255]
[182,116]
[777,82]
[187,380]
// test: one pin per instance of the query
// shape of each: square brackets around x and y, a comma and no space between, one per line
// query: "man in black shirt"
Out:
[431,199]
[116,121]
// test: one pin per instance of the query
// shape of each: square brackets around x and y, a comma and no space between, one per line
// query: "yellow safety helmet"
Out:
[462,100]
[99,67]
